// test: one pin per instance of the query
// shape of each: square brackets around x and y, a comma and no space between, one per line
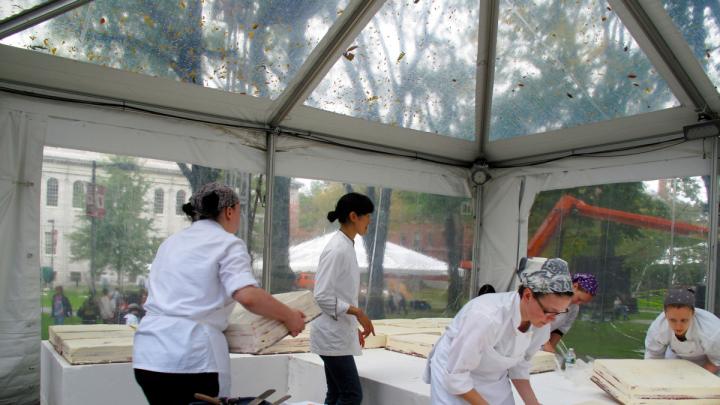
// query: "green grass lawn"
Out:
[616,339]
[76,297]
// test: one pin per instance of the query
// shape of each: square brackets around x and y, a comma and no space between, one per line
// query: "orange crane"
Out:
[568,204]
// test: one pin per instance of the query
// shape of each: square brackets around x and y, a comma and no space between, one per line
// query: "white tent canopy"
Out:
[398,260]
[411,95]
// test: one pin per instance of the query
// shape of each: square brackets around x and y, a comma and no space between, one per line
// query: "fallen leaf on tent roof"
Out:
[251,34]
[707,53]
[603,18]
[373,98]
[182,5]
[609,8]
[402,55]
[636,85]
[349,56]
[454,80]
[339,12]
[416,1]
[625,49]
[102,20]
[521,85]
[255,26]
[632,76]
[352,48]
[648,90]
[149,21]
[569,95]
[46,42]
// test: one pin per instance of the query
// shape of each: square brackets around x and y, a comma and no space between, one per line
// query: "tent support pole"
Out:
[712,274]
[269,191]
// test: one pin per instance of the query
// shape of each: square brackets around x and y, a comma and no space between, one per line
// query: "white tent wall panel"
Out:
[374,133]
[618,130]
[510,195]
[303,158]
[22,138]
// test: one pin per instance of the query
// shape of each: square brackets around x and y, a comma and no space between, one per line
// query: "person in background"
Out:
[89,312]
[107,311]
[685,332]
[195,280]
[60,306]
[132,316]
[491,340]
[585,287]
[335,335]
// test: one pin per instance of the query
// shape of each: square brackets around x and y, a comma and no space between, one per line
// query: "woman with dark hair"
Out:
[335,335]
[491,340]
[197,276]
[585,287]
[683,331]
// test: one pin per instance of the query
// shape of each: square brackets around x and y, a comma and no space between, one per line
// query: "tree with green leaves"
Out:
[124,241]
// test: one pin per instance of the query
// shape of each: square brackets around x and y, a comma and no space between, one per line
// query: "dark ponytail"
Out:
[351,202]
[189,211]
[211,211]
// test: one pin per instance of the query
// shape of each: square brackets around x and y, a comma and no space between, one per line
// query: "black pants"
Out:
[176,389]
[342,380]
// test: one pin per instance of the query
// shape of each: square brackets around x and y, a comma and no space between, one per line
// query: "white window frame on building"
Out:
[52,192]
[78,200]
[179,201]
[159,201]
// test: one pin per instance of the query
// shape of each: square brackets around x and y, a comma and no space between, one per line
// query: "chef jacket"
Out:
[702,340]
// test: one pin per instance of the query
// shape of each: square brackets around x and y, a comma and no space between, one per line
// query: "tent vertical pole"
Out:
[475,268]
[269,189]
[712,274]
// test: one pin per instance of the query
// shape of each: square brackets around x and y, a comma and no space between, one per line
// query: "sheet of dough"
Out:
[251,333]
[656,381]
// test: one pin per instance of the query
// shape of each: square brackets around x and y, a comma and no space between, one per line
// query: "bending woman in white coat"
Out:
[197,276]
[491,340]
[685,332]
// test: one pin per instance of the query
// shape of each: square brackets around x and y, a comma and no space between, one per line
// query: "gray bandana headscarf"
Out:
[226,197]
[680,296]
[552,277]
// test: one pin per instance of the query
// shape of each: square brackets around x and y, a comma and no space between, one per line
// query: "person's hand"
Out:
[366,323]
[361,338]
[548,347]
[295,322]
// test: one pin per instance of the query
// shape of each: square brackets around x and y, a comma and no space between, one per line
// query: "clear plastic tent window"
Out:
[565,64]
[699,23]
[412,66]
[248,47]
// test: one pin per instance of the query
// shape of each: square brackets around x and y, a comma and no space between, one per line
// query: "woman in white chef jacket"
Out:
[197,276]
[683,331]
[491,340]
[585,287]
[335,335]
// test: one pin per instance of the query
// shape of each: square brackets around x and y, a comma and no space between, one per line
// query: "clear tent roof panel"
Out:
[412,66]
[699,23]
[562,64]
[250,47]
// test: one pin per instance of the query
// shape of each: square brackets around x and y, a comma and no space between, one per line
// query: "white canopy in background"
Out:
[398,260]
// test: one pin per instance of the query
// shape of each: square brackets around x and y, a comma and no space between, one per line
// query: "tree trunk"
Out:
[453,241]
[283,277]
[375,245]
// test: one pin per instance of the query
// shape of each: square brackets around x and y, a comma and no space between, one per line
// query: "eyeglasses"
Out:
[553,313]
